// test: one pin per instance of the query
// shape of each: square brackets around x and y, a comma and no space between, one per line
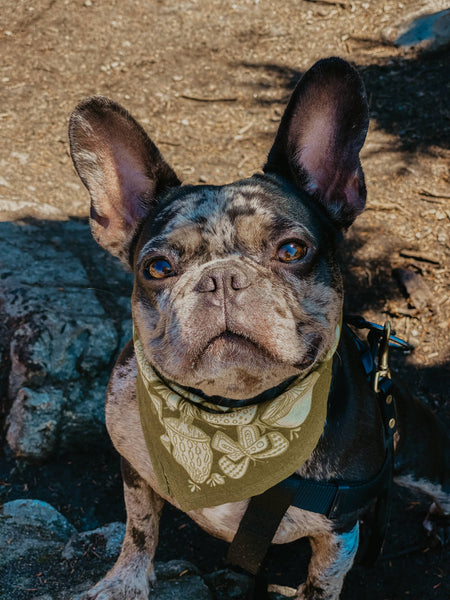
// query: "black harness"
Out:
[332,499]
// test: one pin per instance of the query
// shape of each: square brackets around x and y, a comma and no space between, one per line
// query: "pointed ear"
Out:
[120,166]
[320,135]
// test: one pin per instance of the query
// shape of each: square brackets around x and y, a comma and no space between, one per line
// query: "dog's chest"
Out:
[124,426]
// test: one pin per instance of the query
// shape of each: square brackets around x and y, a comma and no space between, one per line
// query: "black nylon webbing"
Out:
[259,524]
[337,499]
[265,512]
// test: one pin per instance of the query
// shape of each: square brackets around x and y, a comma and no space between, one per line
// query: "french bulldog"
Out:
[237,293]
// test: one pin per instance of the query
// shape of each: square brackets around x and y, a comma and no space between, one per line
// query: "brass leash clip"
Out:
[382,370]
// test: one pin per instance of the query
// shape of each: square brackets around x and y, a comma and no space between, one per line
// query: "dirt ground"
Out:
[209,80]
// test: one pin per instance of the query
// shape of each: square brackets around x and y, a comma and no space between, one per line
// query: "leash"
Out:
[375,359]
[332,499]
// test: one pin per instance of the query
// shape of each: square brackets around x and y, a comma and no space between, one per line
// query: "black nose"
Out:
[224,280]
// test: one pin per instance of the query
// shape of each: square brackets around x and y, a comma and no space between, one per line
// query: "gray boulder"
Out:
[424,25]
[65,311]
[104,541]
[33,422]
[189,587]
[428,31]
[31,528]
[228,585]
[43,557]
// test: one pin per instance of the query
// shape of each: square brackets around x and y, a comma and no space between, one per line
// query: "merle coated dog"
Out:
[237,293]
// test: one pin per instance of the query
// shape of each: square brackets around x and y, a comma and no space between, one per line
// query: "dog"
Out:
[237,302]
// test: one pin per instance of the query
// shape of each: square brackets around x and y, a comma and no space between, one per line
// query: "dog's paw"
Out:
[437,525]
[118,588]
[307,591]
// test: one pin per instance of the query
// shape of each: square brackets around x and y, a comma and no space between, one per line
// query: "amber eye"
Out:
[291,252]
[158,269]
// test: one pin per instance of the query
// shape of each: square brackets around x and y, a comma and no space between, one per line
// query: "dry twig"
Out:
[200,99]
[419,256]
[331,3]
[432,197]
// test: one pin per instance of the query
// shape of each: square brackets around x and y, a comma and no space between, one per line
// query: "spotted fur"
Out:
[231,319]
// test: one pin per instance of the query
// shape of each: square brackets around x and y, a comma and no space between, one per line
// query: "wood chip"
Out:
[202,99]
[330,3]
[394,310]
[416,288]
[420,256]
[382,206]
[169,143]
[433,197]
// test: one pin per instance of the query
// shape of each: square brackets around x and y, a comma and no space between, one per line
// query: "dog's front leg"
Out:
[130,576]
[332,557]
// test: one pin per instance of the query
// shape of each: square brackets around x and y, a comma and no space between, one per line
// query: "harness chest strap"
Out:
[265,512]
[332,499]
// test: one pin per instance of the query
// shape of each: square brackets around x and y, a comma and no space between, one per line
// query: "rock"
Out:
[105,541]
[430,31]
[424,25]
[37,516]
[228,584]
[72,339]
[32,537]
[33,421]
[65,310]
[186,587]
[41,552]
[174,568]
[415,288]
[83,415]
[44,421]
[30,528]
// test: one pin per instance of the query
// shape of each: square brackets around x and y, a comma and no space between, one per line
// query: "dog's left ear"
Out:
[320,135]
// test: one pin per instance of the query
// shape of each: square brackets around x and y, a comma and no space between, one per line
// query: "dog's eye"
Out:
[158,269]
[291,252]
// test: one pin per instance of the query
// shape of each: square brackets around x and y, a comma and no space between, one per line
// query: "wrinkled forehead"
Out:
[220,219]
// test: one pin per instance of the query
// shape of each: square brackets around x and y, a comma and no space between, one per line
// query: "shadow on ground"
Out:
[407,97]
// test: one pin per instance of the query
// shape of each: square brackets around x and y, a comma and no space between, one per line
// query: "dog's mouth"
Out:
[237,365]
[228,349]
[232,347]
[225,337]
[228,337]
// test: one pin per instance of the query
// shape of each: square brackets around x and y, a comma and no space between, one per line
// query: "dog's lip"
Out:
[230,341]
[230,338]
[227,336]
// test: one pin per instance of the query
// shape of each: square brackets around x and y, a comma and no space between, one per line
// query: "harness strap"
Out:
[333,499]
[259,524]
[337,499]
[265,511]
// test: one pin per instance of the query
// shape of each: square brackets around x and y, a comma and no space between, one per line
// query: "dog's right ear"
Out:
[122,169]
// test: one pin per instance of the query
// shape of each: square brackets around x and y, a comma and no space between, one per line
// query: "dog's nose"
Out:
[225,280]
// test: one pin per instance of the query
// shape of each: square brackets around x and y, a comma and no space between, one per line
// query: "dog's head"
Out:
[236,286]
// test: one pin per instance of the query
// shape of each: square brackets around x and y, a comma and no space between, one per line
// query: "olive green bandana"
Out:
[204,455]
